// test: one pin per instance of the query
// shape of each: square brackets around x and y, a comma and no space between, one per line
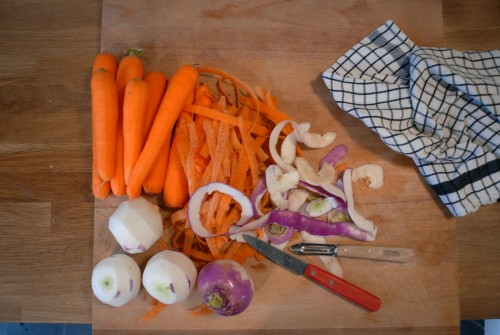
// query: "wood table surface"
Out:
[46,207]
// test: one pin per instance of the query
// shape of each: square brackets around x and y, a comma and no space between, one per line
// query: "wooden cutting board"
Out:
[284,46]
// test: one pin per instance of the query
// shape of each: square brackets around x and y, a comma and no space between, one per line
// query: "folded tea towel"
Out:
[438,106]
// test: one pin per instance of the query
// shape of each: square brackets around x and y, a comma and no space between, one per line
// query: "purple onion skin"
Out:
[223,279]
[300,222]
[335,155]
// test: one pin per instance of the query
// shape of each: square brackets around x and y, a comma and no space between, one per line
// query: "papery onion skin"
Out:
[225,287]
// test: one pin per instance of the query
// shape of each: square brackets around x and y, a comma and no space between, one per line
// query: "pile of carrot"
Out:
[169,137]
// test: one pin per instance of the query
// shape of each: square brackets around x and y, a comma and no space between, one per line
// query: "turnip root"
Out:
[169,276]
[116,280]
[136,224]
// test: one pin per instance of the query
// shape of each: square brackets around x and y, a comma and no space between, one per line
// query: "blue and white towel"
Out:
[438,106]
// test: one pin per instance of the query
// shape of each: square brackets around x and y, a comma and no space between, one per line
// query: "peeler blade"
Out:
[314,249]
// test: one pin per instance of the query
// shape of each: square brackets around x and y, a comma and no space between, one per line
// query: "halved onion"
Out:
[116,280]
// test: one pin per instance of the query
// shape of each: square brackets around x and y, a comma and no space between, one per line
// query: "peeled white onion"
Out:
[136,224]
[116,280]
[169,276]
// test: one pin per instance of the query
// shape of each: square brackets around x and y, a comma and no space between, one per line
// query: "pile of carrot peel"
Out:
[168,137]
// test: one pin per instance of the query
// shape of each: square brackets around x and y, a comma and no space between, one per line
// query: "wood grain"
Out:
[47,49]
[46,208]
[475,25]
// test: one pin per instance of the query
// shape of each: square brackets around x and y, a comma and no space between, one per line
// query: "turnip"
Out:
[136,225]
[116,280]
[169,276]
[225,287]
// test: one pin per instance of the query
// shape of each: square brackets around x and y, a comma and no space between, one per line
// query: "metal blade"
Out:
[316,249]
[279,257]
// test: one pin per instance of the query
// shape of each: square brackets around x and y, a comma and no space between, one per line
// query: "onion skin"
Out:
[225,287]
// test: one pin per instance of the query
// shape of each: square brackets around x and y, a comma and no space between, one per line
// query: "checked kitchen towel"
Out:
[438,106]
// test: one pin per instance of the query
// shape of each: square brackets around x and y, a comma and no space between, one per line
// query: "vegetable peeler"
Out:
[387,254]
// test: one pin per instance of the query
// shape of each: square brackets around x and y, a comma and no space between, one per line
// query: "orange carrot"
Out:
[246,140]
[200,310]
[157,83]
[156,308]
[226,118]
[106,61]
[156,178]
[104,121]
[100,188]
[175,184]
[135,103]
[234,80]
[118,186]
[340,168]
[179,92]
[203,96]
[129,67]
